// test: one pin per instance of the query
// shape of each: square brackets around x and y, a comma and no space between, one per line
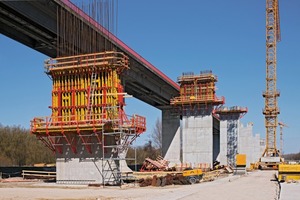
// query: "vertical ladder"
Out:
[232,140]
[91,94]
[112,172]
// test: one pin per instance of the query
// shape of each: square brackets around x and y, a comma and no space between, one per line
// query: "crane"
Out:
[270,155]
[281,125]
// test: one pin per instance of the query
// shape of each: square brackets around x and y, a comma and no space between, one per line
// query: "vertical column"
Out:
[170,125]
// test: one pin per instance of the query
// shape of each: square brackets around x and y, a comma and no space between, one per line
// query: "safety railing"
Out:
[197,99]
[87,60]
[95,120]
[139,123]
[56,121]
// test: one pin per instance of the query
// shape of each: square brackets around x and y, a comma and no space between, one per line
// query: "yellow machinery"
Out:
[240,165]
[241,160]
[288,172]
[193,175]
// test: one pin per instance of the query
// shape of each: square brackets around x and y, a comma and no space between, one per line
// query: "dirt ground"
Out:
[257,185]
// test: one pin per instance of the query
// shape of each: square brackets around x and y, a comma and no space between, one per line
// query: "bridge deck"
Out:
[34,23]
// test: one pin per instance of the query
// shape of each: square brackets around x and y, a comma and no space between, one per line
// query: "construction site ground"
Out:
[254,185]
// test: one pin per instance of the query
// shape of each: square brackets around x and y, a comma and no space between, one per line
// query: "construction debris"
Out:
[155,165]
[179,178]
[169,179]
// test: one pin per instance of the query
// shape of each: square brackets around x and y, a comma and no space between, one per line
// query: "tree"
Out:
[18,148]
[151,149]
[156,135]
[142,152]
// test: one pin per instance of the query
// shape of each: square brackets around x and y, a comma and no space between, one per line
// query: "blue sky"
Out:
[227,37]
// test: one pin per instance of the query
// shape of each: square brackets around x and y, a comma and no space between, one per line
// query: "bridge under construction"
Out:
[92,74]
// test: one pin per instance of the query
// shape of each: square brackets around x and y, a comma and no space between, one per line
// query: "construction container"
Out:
[240,165]
[288,172]
[241,160]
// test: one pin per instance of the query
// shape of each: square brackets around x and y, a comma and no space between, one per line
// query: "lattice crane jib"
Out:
[271,94]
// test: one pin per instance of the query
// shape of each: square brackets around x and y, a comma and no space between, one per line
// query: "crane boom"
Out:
[271,94]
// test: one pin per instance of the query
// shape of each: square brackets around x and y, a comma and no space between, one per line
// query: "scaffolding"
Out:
[88,107]
[197,91]
[231,115]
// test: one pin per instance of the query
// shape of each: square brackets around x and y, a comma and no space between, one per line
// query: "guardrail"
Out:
[29,174]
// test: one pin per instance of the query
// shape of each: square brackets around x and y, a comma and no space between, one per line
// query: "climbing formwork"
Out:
[197,91]
[196,142]
[88,111]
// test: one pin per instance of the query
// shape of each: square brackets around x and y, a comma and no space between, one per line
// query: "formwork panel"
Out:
[88,129]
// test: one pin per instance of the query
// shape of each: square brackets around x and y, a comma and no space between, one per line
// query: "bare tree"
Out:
[156,135]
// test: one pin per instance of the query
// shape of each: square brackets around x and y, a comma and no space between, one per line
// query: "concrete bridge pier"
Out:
[171,135]
[193,140]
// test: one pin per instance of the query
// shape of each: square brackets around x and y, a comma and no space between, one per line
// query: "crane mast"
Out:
[271,94]
[281,125]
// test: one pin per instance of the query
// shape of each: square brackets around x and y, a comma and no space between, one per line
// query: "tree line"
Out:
[292,156]
[20,148]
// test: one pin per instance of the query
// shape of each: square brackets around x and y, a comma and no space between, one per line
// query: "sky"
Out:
[227,37]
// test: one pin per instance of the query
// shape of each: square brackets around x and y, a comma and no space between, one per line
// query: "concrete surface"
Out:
[83,166]
[170,127]
[255,185]
[290,191]
[249,144]
[200,142]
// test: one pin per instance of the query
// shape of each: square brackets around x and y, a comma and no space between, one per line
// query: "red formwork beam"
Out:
[46,142]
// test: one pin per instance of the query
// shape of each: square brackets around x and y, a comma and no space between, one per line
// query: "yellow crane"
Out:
[270,156]
[281,125]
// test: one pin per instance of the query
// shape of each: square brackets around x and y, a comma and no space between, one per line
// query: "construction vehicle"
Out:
[193,175]
[271,158]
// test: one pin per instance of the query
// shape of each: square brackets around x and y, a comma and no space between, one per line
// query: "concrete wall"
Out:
[222,157]
[202,139]
[197,139]
[199,144]
[173,152]
[84,167]
[170,128]
[249,144]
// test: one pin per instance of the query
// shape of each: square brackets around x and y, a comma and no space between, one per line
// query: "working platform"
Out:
[197,89]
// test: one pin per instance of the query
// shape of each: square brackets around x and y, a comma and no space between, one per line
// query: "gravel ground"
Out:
[256,185]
